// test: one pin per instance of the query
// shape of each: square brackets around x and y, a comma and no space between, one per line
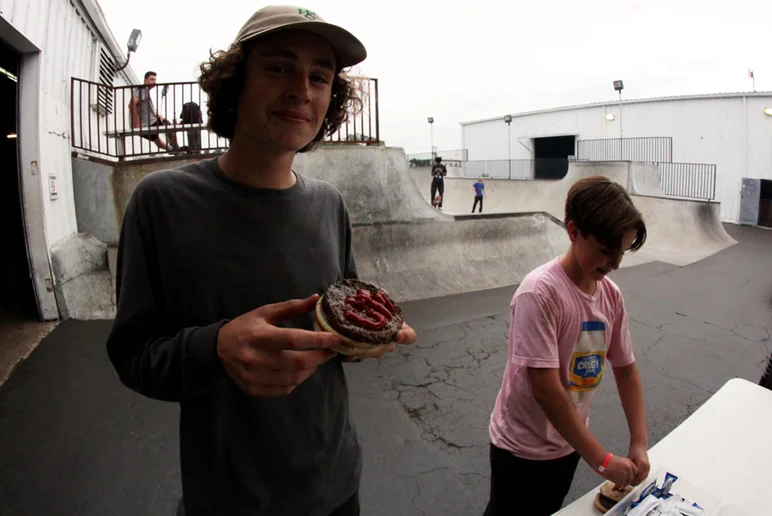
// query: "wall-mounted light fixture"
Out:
[768,111]
[610,117]
[134,39]
[132,45]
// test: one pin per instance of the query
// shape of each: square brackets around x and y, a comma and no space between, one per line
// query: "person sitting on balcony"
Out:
[220,265]
[143,114]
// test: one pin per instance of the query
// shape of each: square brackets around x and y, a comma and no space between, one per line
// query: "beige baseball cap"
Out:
[349,50]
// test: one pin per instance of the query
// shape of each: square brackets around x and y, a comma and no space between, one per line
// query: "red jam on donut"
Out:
[369,312]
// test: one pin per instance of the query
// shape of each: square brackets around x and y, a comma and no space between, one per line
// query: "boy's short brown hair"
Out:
[602,208]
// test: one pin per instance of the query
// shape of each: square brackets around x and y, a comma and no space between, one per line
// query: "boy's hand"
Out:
[267,360]
[640,458]
[406,335]
[621,471]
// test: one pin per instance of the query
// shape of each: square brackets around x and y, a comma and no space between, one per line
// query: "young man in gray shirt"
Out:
[143,113]
[220,265]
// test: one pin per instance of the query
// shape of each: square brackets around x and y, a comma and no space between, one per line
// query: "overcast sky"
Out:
[486,58]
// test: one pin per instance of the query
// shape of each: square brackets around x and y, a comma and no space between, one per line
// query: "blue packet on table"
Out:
[658,492]
[646,492]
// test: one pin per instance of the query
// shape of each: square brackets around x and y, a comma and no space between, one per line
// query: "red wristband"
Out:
[605,464]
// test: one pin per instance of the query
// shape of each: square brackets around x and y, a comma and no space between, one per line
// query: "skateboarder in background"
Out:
[438,179]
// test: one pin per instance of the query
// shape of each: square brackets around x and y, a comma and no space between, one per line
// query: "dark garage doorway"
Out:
[551,156]
[17,295]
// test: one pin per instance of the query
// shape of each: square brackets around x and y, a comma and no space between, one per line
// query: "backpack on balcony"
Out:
[191,114]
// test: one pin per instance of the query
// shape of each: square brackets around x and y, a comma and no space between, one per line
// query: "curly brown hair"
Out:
[222,78]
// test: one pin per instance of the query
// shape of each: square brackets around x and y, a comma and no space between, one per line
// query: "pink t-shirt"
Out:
[556,325]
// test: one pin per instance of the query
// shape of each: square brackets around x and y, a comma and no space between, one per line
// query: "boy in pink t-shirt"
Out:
[567,320]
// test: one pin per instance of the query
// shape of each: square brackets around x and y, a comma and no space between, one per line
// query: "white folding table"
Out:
[724,448]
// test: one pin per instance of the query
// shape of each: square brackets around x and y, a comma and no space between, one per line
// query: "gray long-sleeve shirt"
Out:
[197,250]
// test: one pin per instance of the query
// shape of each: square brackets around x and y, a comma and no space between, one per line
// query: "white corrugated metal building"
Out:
[43,45]
[732,131]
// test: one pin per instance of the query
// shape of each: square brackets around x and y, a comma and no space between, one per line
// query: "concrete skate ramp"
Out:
[427,259]
[417,252]
[645,179]
[681,231]
[373,180]
[400,241]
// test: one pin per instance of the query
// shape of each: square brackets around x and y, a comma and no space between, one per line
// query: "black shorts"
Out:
[153,137]
[532,487]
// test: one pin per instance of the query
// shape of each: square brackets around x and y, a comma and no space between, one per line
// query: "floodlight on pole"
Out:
[431,129]
[508,121]
[619,86]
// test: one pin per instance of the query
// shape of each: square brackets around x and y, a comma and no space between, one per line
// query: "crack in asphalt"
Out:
[688,382]
[648,349]
[418,486]
[417,397]
[464,327]
[658,328]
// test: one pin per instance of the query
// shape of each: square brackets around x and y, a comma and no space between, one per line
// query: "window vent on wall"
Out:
[106,77]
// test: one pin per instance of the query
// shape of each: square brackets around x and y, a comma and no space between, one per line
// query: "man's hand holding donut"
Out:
[265,360]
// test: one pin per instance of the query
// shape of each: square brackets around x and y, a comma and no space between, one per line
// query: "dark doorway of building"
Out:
[20,329]
[765,203]
[551,155]
[16,291]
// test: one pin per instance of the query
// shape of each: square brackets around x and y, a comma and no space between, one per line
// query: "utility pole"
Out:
[508,120]
[619,86]
[431,129]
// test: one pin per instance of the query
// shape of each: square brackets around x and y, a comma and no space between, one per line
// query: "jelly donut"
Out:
[361,314]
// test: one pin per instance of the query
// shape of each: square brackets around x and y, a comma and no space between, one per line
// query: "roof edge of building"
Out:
[626,102]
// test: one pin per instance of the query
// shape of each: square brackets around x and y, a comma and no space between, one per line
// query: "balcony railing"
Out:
[654,149]
[110,122]
[517,168]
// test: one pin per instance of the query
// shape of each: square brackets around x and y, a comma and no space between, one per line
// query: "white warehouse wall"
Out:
[69,40]
[730,131]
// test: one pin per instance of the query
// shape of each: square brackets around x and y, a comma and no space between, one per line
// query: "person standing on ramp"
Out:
[438,179]
[479,193]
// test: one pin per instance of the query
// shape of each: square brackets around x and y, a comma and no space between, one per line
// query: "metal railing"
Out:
[452,157]
[363,126]
[654,149]
[517,169]
[121,122]
[690,180]
[111,121]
